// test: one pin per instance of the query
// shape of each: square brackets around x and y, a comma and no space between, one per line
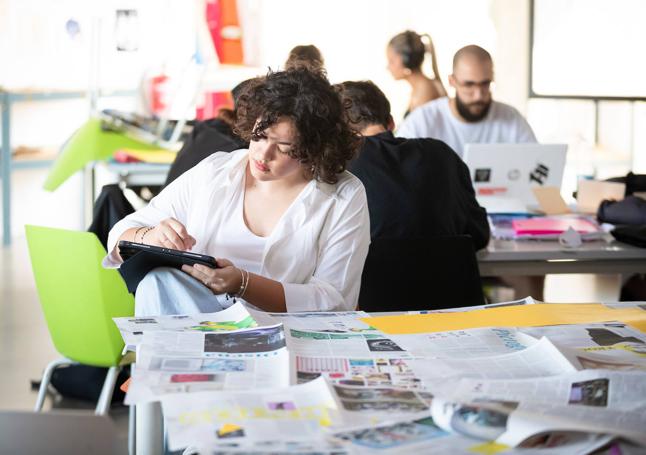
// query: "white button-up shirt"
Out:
[317,249]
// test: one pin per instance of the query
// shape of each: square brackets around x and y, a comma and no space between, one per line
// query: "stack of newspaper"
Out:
[241,381]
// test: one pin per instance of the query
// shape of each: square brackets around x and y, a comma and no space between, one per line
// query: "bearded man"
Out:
[472,116]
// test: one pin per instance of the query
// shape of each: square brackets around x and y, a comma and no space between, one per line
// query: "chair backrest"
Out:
[78,296]
[420,274]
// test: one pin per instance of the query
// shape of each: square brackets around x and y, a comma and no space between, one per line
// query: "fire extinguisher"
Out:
[158,92]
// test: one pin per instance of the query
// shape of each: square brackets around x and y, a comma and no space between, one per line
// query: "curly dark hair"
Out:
[365,104]
[324,142]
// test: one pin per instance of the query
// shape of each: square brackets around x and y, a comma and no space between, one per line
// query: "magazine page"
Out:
[534,419]
[313,446]
[211,419]
[327,322]
[357,371]
[423,435]
[599,388]
[611,338]
[539,359]
[154,376]
[605,361]
[257,341]
[318,344]
[233,318]
[513,423]
[381,403]
[466,343]
[524,301]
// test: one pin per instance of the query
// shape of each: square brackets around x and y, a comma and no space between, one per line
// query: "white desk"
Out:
[540,257]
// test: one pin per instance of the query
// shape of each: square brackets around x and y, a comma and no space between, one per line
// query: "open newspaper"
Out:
[224,383]
[233,318]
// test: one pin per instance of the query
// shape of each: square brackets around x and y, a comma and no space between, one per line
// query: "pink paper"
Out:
[545,225]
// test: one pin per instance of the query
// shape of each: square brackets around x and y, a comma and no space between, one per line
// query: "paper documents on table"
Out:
[515,377]
[233,318]
[328,322]
[362,371]
[213,419]
[155,376]
[369,344]
[512,422]
[253,342]
[614,338]
[509,316]
[413,436]
[380,403]
[465,343]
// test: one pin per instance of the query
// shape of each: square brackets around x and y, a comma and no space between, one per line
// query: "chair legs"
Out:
[132,425]
[105,399]
[103,405]
[47,376]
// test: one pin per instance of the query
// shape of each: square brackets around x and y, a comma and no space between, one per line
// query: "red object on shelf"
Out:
[158,93]
[213,102]
[121,156]
[226,32]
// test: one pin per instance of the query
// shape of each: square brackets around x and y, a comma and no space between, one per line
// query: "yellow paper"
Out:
[511,316]
[489,448]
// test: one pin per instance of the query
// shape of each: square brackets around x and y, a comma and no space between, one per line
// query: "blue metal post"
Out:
[5,169]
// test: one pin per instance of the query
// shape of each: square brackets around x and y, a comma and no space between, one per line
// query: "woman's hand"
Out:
[225,279]
[169,233]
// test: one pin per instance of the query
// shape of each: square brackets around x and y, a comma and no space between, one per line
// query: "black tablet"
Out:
[179,257]
[139,259]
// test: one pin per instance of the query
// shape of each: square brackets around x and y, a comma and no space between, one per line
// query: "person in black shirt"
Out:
[416,188]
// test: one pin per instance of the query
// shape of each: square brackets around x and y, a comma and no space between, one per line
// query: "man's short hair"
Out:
[365,104]
[472,51]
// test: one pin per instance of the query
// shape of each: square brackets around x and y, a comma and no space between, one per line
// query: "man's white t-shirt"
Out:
[503,124]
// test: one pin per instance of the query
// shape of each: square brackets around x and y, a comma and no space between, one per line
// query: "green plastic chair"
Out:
[89,143]
[79,299]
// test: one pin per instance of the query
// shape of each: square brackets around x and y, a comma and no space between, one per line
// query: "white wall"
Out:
[353,35]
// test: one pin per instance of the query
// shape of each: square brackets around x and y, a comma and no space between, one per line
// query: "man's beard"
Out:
[463,110]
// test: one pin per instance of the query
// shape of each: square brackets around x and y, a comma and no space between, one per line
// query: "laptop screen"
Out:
[509,171]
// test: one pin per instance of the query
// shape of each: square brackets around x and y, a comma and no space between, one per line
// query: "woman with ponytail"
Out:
[406,52]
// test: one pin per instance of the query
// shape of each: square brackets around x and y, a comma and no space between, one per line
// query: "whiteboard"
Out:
[589,48]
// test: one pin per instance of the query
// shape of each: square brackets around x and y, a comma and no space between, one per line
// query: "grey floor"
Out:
[25,346]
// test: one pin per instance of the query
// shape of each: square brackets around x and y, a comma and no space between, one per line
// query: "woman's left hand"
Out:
[224,279]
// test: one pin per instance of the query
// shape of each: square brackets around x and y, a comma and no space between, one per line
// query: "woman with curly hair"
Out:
[287,223]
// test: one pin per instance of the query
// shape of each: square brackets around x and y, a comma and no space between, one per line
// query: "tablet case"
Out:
[135,268]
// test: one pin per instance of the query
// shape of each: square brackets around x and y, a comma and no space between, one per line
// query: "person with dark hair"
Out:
[208,136]
[306,56]
[405,53]
[416,188]
[471,116]
[287,223]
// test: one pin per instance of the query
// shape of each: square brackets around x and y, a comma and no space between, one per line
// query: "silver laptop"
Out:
[503,174]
